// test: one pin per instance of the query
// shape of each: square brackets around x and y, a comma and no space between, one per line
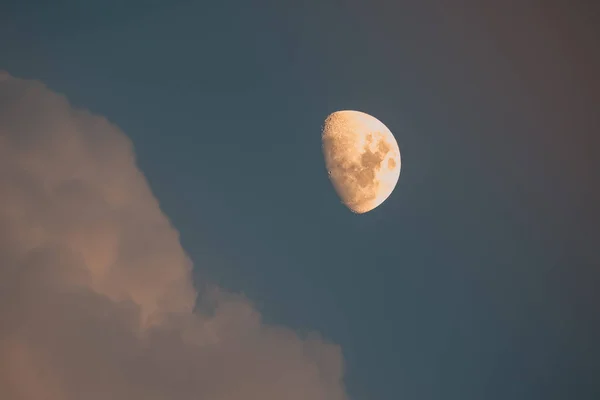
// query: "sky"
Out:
[168,230]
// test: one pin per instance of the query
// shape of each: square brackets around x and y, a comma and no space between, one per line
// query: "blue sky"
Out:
[475,280]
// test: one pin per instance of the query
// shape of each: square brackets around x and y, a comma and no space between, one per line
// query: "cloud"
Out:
[96,295]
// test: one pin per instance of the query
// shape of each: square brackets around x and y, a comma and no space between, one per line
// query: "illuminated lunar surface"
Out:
[362,159]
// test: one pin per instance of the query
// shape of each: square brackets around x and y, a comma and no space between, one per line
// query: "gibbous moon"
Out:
[362,159]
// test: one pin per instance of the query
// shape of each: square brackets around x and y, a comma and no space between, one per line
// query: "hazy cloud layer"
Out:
[96,297]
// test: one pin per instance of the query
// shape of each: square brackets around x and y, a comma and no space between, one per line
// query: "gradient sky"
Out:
[477,279]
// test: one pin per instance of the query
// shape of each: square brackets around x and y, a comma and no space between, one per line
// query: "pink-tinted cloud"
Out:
[96,296]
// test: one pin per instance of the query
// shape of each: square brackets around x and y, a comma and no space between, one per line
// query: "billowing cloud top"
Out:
[96,296]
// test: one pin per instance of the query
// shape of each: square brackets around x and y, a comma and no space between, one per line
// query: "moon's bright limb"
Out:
[362,159]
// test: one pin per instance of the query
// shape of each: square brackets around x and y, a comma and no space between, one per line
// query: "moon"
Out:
[362,159]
